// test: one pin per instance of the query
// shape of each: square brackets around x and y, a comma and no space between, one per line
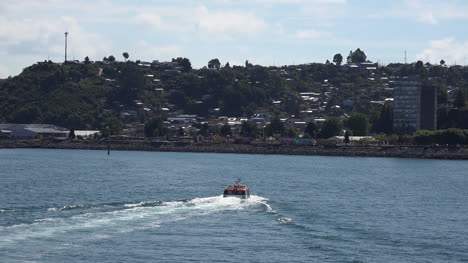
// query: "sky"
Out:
[264,32]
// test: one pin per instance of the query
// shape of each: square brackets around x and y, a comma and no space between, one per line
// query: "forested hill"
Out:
[82,94]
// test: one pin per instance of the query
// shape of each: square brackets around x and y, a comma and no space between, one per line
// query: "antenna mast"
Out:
[66,38]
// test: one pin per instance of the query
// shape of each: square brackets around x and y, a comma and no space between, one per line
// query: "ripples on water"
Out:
[85,206]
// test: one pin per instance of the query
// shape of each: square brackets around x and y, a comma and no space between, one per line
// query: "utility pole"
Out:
[66,37]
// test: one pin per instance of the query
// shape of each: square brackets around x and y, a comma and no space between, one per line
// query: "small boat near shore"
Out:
[237,190]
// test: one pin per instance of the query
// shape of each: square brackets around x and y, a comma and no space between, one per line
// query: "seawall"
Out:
[450,153]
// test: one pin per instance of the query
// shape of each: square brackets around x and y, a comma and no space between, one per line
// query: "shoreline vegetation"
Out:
[391,151]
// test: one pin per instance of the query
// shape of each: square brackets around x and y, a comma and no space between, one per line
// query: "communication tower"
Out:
[66,37]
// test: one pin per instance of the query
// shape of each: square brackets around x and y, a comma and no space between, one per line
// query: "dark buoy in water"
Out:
[108,149]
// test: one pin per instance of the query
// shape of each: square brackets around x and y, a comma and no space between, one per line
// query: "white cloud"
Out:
[311,34]
[32,30]
[202,21]
[432,12]
[228,23]
[298,1]
[46,37]
[14,32]
[427,11]
[153,20]
[448,49]
[324,13]
[148,51]
[4,71]
[331,1]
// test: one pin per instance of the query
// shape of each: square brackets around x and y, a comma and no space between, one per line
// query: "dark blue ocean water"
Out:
[86,206]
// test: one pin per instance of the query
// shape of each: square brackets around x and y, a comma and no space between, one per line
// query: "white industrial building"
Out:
[18,131]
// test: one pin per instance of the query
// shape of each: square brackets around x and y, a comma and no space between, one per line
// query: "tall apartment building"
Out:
[415,106]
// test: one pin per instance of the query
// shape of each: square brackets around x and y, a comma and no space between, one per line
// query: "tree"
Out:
[331,127]
[459,99]
[384,122]
[424,137]
[214,63]
[443,121]
[419,64]
[357,56]
[111,126]
[25,114]
[132,81]
[191,84]
[86,60]
[227,65]
[111,58]
[226,130]
[276,126]
[338,58]
[452,118]
[346,137]
[125,55]
[184,63]
[71,135]
[442,62]
[363,104]
[291,132]
[419,68]
[311,129]
[233,100]
[450,136]
[204,130]
[349,59]
[155,128]
[291,104]
[442,95]
[180,132]
[178,98]
[359,124]
[249,130]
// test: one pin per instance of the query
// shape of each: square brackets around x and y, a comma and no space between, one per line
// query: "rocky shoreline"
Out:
[422,152]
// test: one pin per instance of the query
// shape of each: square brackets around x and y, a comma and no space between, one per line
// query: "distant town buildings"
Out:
[415,106]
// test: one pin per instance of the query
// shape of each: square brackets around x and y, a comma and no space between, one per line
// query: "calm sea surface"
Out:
[86,206]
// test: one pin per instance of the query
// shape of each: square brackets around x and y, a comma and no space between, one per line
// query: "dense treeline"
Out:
[50,93]
[449,136]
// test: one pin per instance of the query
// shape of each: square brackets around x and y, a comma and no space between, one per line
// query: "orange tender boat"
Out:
[237,190]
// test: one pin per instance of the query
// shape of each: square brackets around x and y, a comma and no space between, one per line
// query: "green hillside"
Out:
[82,95]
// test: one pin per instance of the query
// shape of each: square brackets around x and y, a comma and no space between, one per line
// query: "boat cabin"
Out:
[237,190]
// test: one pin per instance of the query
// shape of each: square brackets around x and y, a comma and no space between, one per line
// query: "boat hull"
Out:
[237,196]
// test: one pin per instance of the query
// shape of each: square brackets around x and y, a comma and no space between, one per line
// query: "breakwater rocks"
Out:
[453,153]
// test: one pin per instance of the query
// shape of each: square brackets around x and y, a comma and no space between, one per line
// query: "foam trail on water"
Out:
[145,203]
[126,217]
[7,210]
[284,220]
[68,207]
